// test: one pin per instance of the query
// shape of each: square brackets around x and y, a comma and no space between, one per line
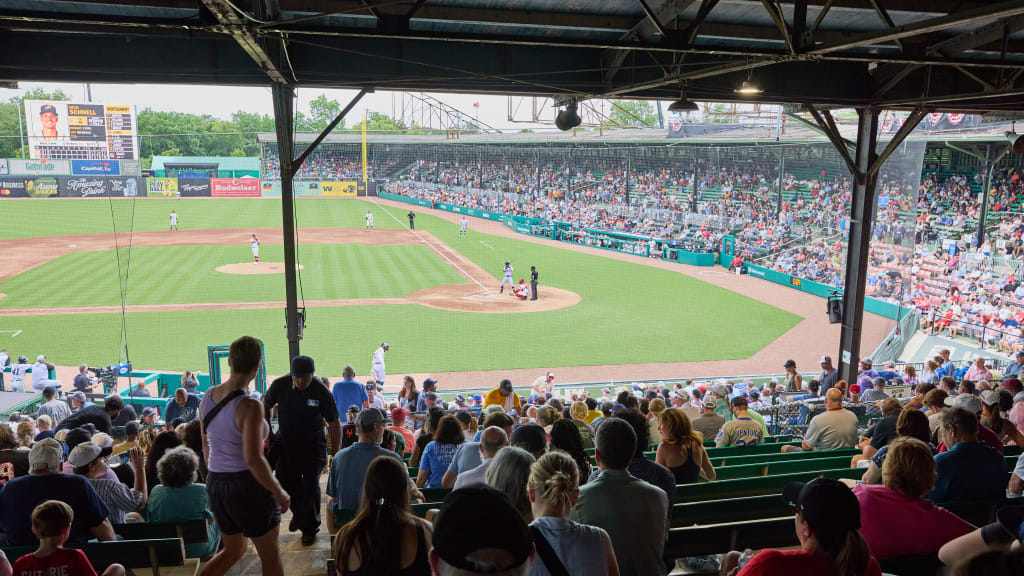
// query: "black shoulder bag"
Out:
[220,406]
[547,554]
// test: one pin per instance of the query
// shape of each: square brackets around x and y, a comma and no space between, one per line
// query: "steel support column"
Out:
[284,101]
[862,208]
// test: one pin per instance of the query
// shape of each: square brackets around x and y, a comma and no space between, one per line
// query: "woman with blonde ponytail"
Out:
[563,546]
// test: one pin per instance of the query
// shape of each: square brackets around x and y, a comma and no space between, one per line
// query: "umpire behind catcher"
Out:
[298,452]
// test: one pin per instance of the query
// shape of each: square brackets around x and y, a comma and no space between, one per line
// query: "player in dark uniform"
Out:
[298,452]
[412,220]
[533,282]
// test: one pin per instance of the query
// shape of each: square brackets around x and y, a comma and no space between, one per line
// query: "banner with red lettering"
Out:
[235,187]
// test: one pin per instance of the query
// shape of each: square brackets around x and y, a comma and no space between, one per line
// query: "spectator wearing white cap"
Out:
[89,460]
[681,400]
[374,398]
[544,384]
[708,423]
[44,482]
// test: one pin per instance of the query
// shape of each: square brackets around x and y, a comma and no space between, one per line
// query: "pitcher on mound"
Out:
[255,243]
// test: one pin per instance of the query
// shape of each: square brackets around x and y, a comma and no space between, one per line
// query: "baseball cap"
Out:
[606,390]
[460,399]
[968,402]
[78,395]
[83,454]
[709,402]
[990,397]
[369,417]
[855,389]
[824,359]
[385,345]
[506,529]
[828,506]
[866,362]
[505,386]
[551,376]
[371,386]
[789,363]
[399,414]
[429,382]
[149,411]
[40,358]
[47,109]
[303,366]
[478,398]
[720,389]
[45,456]
[532,436]
[103,440]
[682,395]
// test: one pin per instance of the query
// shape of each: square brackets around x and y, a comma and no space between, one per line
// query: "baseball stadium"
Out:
[780,275]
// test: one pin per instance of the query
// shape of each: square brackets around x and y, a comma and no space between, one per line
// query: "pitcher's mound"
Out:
[471,298]
[253,268]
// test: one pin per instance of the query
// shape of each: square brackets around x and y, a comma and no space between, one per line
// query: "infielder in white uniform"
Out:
[377,370]
[255,243]
[462,227]
[507,278]
[369,220]
[174,221]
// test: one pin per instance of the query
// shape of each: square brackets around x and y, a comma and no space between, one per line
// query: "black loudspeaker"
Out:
[835,311]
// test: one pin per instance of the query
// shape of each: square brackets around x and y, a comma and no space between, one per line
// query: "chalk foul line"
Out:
[486,244]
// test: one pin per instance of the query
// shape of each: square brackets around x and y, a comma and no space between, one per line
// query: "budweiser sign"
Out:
[235,187]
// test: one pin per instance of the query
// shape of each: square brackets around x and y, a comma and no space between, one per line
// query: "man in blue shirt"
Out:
[348,467]
[183,405]
[429,385]
[970,470]
[21,495]
[348,392]
[1014,368]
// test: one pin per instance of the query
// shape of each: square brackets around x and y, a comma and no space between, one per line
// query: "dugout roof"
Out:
[945,54]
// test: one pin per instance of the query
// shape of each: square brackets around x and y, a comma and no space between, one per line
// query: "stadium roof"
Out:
[228,163]
[947,54]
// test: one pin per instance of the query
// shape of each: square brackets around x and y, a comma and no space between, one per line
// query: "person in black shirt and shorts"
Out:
[298,451]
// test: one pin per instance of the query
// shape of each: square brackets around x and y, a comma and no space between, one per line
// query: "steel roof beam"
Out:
[978,37]
[242,33]
[663,11]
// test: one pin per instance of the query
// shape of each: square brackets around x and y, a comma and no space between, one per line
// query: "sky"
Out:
[222,101]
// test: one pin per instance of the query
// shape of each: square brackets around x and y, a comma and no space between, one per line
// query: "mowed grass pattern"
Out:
[187,274]
[629,313]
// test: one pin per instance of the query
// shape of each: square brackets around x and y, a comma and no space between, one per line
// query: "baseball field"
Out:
[429,293]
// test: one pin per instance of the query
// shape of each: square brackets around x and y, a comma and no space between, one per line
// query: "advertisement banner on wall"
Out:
[235,187]
[124,187]
[194,187]
[12,188]
[95,168]
[42,187]
[306,188]
[338,189]
[26,167]
[82,187]
[161,186]
[270,188]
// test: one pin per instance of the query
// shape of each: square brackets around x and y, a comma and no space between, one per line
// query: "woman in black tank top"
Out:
[383,517]
[682,448]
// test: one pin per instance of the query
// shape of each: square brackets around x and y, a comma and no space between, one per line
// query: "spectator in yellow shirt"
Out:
[503,396]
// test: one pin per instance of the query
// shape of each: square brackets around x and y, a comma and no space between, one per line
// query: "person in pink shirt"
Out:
[978,372]
[896,506]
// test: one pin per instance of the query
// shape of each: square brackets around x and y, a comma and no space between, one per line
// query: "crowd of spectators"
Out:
[326,164]
[73,475]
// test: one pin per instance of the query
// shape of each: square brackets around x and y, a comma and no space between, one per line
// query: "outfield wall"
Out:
[55,180]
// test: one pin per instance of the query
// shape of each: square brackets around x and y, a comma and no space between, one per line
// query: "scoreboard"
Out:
[81,131]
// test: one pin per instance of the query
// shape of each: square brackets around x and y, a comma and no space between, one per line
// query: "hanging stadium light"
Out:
[683,104]
[748,88]
[1016,142]
[569,118]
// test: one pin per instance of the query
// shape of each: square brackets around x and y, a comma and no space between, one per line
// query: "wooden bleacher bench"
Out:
[787,457]
[154,554]
[190,532]
[760,486]
[778,467]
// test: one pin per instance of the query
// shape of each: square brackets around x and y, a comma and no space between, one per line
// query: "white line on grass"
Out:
[15,335]
[439,253]
[486,244]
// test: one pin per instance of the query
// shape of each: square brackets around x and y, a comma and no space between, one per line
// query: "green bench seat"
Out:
[780,457]
[781,467]
[722,489]
[152,554]
[191,532]
[729,510]
[721,538]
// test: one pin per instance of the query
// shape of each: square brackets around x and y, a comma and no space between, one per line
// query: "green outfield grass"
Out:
[629,313]
[188,274]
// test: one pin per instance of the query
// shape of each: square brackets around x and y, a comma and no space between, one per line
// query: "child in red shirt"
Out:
[51,523]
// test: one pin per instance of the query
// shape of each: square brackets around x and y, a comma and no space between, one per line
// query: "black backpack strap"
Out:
[220,406]
[547,554]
